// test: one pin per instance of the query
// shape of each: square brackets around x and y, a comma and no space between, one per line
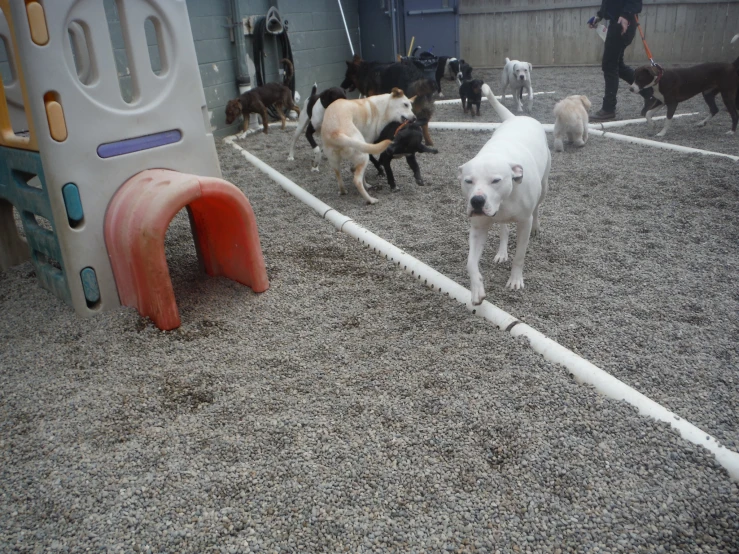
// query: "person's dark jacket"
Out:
[613,9]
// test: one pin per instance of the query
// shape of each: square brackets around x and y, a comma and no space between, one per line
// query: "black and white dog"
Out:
[311,119]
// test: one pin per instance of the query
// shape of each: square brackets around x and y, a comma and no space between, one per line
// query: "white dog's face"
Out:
[486,184]
[522,71]
[400,108]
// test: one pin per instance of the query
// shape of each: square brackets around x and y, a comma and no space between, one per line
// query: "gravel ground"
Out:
[349,409]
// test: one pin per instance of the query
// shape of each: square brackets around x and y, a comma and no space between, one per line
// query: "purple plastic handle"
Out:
[126,146]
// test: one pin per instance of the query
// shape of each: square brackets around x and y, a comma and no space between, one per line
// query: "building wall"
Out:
[316,32]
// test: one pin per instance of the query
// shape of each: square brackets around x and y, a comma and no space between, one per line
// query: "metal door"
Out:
[434,24]
[378,30]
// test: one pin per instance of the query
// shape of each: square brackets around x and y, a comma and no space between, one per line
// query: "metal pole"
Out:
[346,27]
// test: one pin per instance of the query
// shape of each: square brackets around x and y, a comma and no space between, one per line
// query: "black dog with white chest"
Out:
[407,142]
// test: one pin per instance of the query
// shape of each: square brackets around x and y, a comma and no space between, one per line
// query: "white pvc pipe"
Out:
[623,122]
[549,128]
[584,371]
[459,100]
[664,145]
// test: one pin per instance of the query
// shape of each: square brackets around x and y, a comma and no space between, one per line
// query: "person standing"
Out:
[621,15]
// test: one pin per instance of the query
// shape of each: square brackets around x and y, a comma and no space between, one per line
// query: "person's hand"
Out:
[593,22]
[624,24]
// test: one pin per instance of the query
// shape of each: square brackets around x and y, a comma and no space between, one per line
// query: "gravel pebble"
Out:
[349,409]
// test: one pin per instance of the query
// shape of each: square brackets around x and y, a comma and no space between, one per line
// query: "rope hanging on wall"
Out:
[273,24]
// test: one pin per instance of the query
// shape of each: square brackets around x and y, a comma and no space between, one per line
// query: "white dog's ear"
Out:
[459,172]
[413,98]
[585,102]
[531,67]
[516,173]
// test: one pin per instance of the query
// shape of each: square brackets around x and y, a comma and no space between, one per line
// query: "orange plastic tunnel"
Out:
[226,238]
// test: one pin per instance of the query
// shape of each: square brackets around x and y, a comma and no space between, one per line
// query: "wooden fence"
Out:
[555,32]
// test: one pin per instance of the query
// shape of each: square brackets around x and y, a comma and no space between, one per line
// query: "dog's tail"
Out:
[374,149]
[733,40]
[289,71]
[314,90]
[459,79]
[507,61]
[500,109]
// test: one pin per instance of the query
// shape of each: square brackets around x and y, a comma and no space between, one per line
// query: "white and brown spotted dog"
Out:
[351,126]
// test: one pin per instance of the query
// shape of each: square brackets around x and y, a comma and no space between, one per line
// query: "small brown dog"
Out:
[258,99]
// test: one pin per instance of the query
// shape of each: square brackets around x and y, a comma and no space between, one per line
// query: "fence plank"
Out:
[555,32]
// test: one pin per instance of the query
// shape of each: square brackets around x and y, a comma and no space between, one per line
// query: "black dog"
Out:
[371,78]
[407,141]
[471,94]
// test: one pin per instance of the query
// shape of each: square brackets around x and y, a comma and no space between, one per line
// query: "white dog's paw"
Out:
[441,95]
[729,132]
[290,158]
[478,294]
[501,257]
[315,168]
[241,135]
[515,281]
[661,133]
[372,200]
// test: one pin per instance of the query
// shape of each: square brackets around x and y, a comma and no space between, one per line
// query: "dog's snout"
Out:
[522,77]
[478,203]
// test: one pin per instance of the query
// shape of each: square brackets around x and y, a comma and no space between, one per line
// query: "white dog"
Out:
[351,126]
[571,121]
[505,183]
[518,75]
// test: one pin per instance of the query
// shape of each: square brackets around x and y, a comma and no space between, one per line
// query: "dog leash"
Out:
[647,50]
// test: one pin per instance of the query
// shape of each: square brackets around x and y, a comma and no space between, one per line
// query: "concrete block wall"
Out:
[315,28]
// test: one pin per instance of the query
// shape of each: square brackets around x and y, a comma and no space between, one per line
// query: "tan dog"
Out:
[572,121]
[351,126]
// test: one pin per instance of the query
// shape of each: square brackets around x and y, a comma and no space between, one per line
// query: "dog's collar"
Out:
[659,74]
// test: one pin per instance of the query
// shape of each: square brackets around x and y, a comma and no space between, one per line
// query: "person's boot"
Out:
[603,115]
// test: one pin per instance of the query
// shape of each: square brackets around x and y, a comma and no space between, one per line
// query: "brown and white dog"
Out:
[672,86]
[351,126]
